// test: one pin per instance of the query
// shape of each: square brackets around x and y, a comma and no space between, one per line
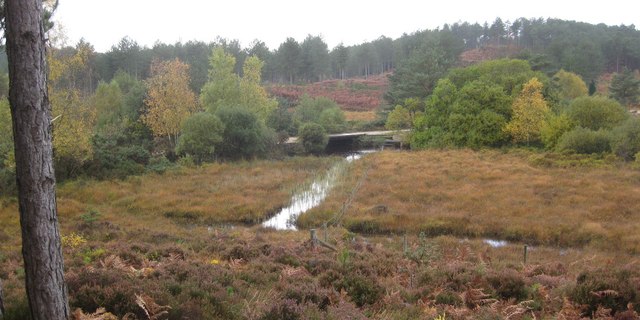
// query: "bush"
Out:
[596,113]
[581,140]
[159,165]
[509,284]
[362,290]
[332,120]
[120,152]
[553,128]
[625,139]
[244,136]
[310,109]
[200,133]
[314,138]
[398,119]
[609,289]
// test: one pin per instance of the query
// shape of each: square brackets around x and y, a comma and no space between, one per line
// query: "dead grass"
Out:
[228,192]
[490,194]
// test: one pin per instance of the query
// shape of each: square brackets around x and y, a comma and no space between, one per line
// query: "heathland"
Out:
[180,245]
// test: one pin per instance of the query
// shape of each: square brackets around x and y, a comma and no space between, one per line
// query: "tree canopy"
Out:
[169,99]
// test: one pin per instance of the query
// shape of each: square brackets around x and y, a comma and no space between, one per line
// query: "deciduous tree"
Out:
[399,118]
[571,85]
[222,87]
[169,99]
[529,113]
[69,77]
[252,94]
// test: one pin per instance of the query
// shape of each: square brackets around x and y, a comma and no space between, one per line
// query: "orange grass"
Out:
[489,194]
[239,192]
[360,115]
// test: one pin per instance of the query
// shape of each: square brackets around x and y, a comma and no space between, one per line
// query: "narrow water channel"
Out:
[311,196]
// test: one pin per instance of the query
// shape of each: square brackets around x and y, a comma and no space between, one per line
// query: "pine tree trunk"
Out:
[31,113]
[1,302]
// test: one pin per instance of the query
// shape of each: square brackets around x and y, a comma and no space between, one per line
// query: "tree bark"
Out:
[31,113]
[1,303]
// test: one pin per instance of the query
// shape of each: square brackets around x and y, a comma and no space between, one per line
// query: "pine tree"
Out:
[625,88]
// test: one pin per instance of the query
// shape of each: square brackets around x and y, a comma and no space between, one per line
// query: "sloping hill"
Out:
[489,52]
[356,94]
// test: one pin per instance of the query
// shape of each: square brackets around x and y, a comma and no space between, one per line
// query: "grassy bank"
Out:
[489,194]
[241,192]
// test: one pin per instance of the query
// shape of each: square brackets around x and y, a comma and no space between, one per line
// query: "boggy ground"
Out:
[125,254]
[513,195]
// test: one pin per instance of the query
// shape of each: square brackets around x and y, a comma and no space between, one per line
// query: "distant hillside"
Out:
[490,52]
[356,94]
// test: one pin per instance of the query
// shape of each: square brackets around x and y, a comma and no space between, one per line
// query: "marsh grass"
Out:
[121,245]
[503,195]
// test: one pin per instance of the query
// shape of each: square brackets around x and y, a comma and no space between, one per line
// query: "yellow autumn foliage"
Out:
[169,100]
[529,113]
[73,117]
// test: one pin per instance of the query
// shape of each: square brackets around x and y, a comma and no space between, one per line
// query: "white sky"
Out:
[104,23]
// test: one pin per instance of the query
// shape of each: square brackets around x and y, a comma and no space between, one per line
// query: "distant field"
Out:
[489,194]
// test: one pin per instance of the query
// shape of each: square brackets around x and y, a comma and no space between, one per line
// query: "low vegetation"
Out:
[520,196]
[157,245]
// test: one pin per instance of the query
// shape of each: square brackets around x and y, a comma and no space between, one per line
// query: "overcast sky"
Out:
[104,23]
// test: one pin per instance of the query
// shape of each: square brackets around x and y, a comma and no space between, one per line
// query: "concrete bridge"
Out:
[340,142]
[354,135]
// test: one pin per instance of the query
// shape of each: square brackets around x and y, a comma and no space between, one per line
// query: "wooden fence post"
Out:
[326,238]
[405,246]
[525,254]
[314,237]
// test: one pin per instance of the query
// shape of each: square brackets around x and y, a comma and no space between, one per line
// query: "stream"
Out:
[311,196]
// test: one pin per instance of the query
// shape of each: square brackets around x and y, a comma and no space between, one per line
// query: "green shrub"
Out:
[120,152]
[159,165]
[314,138]
[586,141]
[609,289]
[448,297]
[596,112]
[625,139]
[200,133]
[553,128]
[508,284]
[332,120]
[244,136]
[362,290]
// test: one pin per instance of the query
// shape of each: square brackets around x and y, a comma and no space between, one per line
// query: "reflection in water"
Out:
[496,243]
[311,197]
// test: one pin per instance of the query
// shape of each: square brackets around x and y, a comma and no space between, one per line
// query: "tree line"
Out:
[549,44]
[503,103]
